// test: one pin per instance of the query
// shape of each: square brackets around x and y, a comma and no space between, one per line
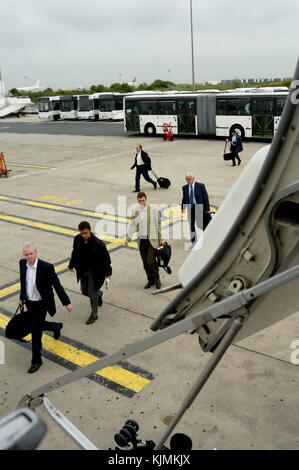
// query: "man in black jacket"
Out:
[92,263]
[236,146]
[143,165]
[196,199]
[37,281]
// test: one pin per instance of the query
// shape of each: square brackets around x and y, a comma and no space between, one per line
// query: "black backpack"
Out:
[163,257]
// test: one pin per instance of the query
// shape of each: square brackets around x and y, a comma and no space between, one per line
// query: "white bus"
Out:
[69,107]
[49,107]
[107,106]
[84,106]
[255,114]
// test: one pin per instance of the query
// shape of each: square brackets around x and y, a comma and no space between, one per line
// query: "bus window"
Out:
[186,106]
[132,108]
[221,107]
[147,107]
[56,105]
[280,102]
[119,102]
[233,106]
[263,106]
[244,107]
[167,107]
[106,104]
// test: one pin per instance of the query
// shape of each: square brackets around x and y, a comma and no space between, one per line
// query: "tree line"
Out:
[157,85]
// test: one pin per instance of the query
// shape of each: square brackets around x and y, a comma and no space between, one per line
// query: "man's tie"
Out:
[191,197]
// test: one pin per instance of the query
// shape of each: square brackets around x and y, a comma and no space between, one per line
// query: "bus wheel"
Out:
[56,117]
[239,128]
[150,130]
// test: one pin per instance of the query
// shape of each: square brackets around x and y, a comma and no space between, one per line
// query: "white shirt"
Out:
[142,223]
[31,290]
[139,159]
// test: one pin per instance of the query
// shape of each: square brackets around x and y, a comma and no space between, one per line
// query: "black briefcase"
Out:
[227,156]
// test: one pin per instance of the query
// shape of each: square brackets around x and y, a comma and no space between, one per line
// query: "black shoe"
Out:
[148,285]
[34,367]
[155,185]
[158,284]
[234,165]
[100,300]
[91,320]
[136,191]
[58,331]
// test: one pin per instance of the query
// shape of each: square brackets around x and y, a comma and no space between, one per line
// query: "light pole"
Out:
[169,74]
[192,50]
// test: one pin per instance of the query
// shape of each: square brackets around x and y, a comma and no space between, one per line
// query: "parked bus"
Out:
[255,114]
[107,106]
[49,107]
[84,106]
[69,107]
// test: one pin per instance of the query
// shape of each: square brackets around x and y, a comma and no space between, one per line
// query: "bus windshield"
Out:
[84,103]
[68,103]
[106,103]
[43,105]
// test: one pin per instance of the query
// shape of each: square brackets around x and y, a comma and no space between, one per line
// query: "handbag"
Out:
[163,257]
[14,324]
[206,219]
[227,156]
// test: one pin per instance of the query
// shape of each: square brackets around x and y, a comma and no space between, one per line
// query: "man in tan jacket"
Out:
[147,223]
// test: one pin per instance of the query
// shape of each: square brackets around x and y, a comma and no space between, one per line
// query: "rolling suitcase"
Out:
[162,182]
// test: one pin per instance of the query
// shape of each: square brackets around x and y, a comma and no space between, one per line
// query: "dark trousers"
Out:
[197,217]
[142,170]
[234,157]
[148,257]
[90,287]
[32,321]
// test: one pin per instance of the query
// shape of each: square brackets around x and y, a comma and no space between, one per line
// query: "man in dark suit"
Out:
[196,199]
[143,165]
[92,262]
[37,281]
[236,146]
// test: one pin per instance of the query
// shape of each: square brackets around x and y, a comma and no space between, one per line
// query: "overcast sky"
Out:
[66,43]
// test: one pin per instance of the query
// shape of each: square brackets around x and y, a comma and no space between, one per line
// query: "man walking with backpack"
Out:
[143,165]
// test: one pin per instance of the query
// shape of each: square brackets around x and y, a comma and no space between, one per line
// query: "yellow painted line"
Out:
[16,287]
[116,242]
[4,197]
[42,204]
[32,166]
[10,290]
[82,358]
[41,225]
[105,216]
